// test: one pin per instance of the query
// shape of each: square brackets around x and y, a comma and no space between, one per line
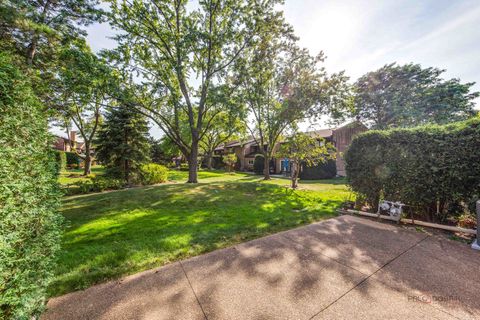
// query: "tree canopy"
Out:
[84,87]
[181,55]
[409,95]
[282,84]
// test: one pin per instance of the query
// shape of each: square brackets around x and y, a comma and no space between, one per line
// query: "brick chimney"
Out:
[73,136]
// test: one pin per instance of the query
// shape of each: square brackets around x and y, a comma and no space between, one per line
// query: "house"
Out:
[340,137]
[65,144]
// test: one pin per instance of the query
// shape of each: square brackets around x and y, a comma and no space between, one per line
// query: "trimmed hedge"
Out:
[259,164]
[96,184]
[30,227]
[434,168]
[326,170]
[153,173]
[60,160]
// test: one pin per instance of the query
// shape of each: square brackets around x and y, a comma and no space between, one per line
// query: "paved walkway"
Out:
[342,268]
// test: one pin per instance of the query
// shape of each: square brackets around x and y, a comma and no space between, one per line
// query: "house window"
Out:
[250,162]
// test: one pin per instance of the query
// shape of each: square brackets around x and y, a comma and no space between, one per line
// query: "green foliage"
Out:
[434,168]
[85,83]
[30,227]
[325,170]
[73,160]
[153,173]
[122,144]
[282,84]
[259,164]
[230,160]
[96,184]
[218,162]
[60,159]
[406,96]
[302,148]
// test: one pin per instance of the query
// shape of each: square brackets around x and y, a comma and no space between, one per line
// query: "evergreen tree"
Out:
[123,143]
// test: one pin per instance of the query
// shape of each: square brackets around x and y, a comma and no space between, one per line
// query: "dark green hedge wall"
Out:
[60,159]
[258,164]
[73,160]
[30,227]
[433,168]
[326,170]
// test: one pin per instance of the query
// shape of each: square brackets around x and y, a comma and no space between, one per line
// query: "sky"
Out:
[359,36]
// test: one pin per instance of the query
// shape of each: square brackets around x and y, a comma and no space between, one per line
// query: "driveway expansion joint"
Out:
[193,291]
[368,277]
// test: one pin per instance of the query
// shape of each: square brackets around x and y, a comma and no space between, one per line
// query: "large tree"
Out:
[35,28]
[282,84]
[181,53]
[122,143]
[84,86]
[409,95]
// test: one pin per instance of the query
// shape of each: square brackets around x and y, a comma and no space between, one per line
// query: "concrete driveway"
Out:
[342,268]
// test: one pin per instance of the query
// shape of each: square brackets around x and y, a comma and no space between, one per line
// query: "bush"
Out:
[95,184]
[184,167]
[30,228]
[153,173]
[259,164]
[217,162]
[326,170]
[433,168]
[60,160]
[73,160]
[230,160]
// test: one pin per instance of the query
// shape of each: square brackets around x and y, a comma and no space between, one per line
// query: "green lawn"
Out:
[74,175]
[123,232]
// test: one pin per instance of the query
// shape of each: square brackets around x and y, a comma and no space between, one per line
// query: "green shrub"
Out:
[184,167]
[153,173]
[326,170]
[259,164]
[30,228]
[433,168]
[60,160]
[73,160]
[217,162]
[96,184]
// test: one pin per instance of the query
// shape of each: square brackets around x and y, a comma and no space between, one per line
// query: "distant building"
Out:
[71,144]
[340,137]
[66,144]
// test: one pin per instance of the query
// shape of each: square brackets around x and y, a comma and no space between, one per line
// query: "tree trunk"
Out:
[209,161]
[266,169]
[88,160]
[193,164]
[295,171]
[88,165]
[31,51]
